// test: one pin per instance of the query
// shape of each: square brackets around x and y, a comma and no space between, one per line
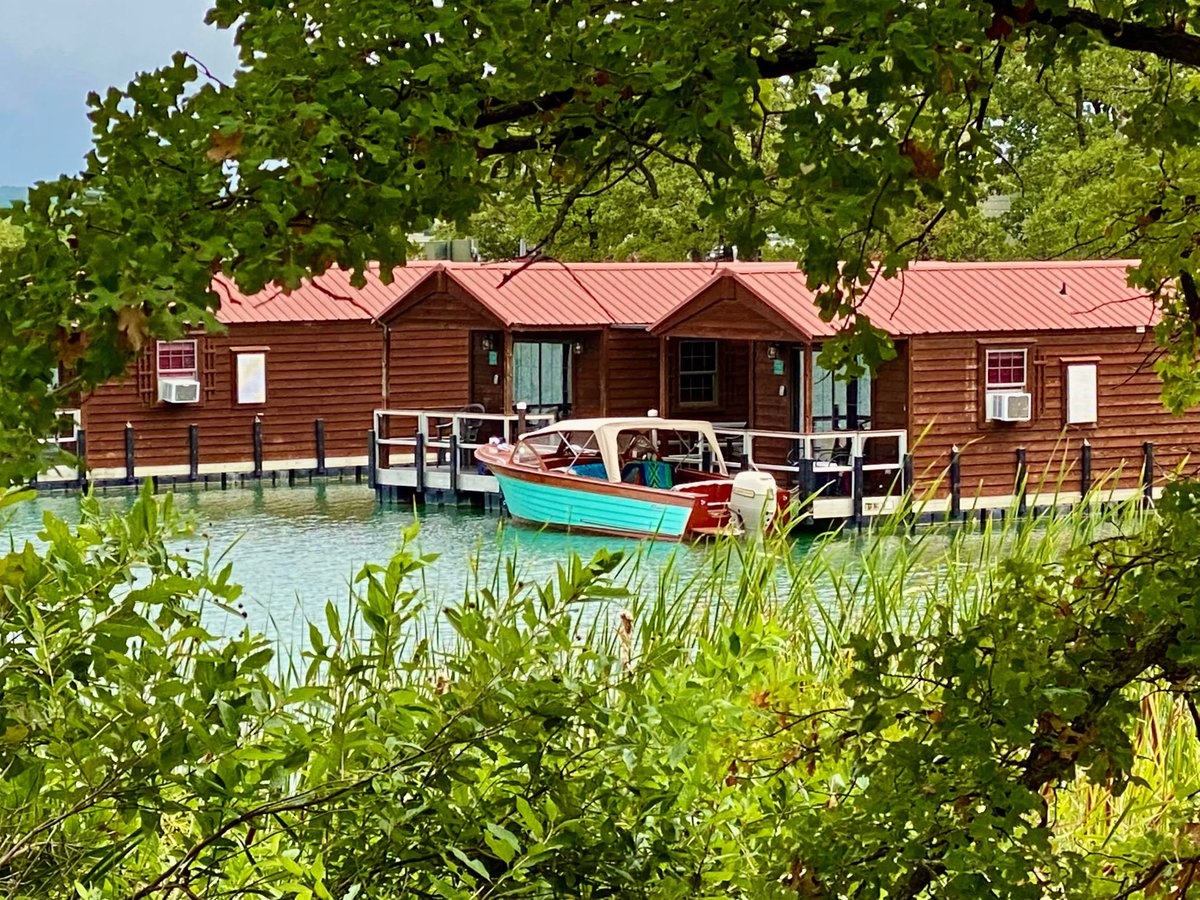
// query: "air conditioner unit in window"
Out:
[179,390]
[1010,406]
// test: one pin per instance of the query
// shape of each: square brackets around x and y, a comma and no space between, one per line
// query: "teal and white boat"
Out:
[633,477]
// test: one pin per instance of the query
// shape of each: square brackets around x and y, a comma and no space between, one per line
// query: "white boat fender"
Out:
[753,500]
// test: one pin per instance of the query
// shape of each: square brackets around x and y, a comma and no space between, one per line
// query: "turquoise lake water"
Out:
[294,548]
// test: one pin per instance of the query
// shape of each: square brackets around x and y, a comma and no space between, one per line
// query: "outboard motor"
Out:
[754,501]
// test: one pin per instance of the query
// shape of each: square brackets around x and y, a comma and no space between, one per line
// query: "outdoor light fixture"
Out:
[487,343]
[577,348]
[772,351]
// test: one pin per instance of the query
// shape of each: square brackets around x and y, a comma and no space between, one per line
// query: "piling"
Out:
[371,483]
[955,483]
[1147,473]
[419,460]
[319,438]
[81,458]
[1022,479]
[1085,469]
[130,459]
[856,491]
[258,448]
[193,452]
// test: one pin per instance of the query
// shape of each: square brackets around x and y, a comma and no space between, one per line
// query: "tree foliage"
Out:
[957,748]
[349,125]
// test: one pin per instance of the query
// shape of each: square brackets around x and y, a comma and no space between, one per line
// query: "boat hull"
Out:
[600,507]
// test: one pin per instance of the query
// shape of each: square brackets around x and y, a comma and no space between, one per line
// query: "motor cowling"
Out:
[754,501]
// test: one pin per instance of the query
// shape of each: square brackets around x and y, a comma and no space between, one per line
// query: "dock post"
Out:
[258,450]
[1147,473]
[193,452]
[955,483]
[81,458]
[1022,478]
[804,472]
[454,463]
[907,488]
[419,461]
[371,483]
[319,436]
[1085,469]
[856,490]
[706,460]
[130,460]
[522,407]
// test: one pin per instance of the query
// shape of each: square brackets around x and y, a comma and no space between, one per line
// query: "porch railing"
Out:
[435,448]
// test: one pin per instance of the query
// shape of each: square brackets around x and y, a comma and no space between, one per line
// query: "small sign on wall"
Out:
[777,366]
[493,358]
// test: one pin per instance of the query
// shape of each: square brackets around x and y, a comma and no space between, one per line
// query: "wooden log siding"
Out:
[487,377]
[733,383]
[429,365]
[327,370]
[945,374]
[632,372]
[890,390]
[771,411]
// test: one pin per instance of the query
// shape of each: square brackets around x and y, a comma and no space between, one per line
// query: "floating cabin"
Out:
[1016,372]
[289,371]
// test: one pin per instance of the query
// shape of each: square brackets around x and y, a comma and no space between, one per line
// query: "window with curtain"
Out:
[542,373]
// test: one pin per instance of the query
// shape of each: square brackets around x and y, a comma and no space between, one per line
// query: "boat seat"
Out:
[650,472]
[589,470]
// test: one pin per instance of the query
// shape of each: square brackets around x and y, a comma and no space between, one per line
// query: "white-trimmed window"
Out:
[697,373]
[1006,370]
[250,375]
[177,359]
[1080,393]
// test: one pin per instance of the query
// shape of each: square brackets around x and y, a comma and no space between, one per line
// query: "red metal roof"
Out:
[928,298]
[550,294]
[948,298]
[327,298]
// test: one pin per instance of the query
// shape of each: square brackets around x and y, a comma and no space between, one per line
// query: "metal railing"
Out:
[433,439]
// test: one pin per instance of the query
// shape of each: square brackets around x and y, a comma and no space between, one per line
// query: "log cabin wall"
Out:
[733,384]
[326,370]
[630,372]
[430,363]
[487,370]
[889,391]
[947,397]
[773,410]
[586,375]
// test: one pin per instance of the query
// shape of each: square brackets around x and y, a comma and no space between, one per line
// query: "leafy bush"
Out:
[901,717]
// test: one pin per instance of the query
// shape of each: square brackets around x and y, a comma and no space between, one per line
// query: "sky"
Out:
[52,52]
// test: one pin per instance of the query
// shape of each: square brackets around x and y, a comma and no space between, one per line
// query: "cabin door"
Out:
[542,376]
[839,405]
[797,388]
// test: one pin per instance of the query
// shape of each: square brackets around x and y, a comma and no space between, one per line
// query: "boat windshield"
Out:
[669,444]
[557,449]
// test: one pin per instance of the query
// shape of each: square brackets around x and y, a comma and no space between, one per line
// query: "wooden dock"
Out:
[429,454]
